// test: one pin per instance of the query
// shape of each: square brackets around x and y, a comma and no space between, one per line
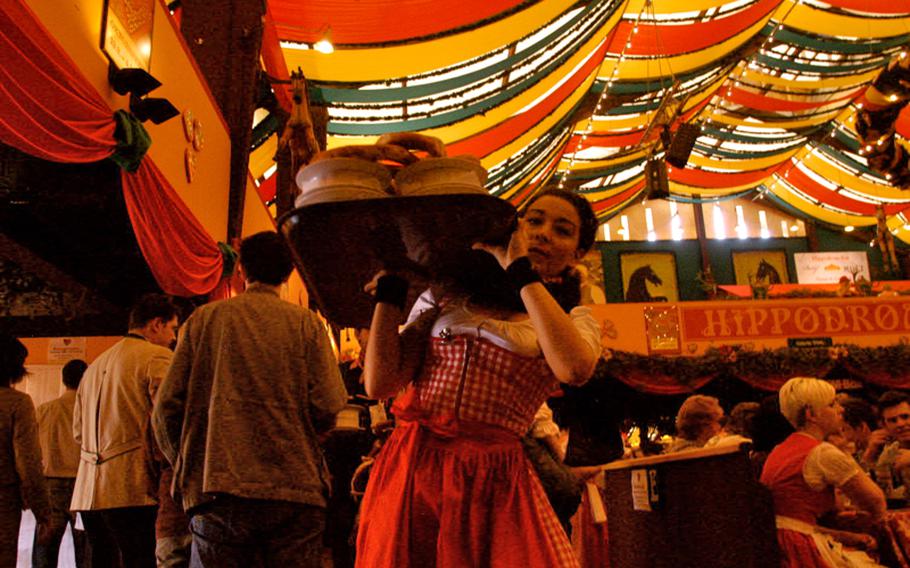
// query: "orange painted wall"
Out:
[37,348]
[76,24]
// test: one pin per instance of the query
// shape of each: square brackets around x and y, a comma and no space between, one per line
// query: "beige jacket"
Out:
[55,432]
[254,378]
[110,422]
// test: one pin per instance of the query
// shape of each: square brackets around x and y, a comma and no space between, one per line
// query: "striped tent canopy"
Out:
[563,92]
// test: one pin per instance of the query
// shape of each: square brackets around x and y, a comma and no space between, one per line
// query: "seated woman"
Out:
[739,427]
[802,473]
[699,419]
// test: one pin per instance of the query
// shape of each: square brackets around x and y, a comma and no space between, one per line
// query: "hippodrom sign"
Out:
[799,318]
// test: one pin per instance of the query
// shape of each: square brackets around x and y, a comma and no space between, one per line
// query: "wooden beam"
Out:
[226,43]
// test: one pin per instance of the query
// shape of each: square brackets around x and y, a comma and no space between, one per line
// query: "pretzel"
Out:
[414,141]
[374,153]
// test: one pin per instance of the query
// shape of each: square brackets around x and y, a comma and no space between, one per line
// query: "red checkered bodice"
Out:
[466,378]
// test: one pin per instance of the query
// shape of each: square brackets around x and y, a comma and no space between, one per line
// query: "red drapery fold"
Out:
[49,110]
[662,384]
[187,262]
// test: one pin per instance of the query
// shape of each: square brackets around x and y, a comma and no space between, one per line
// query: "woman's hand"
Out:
[370,287]
[504,255]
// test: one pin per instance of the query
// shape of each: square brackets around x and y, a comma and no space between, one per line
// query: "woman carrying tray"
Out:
[452,487]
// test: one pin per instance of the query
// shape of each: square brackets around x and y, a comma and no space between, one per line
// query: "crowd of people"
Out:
[209,452]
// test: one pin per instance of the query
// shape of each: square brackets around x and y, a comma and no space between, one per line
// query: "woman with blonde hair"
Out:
[699,419]
[802,473]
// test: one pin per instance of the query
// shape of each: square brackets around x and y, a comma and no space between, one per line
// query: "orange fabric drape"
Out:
[48,109]
[181,255]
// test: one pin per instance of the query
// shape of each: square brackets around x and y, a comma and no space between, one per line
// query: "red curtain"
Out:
[49,110]
[662,384]
[187,261]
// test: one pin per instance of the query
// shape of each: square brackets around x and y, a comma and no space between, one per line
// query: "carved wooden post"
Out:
[226,42]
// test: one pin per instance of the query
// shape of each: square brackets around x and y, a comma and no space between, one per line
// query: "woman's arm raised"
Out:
[392,359]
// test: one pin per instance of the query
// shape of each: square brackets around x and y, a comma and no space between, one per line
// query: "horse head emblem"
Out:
[637,290]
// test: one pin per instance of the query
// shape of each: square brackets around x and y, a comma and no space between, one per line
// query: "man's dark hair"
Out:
[857,411]
[72,373]
[266,258]
[12,360]
[150,307]
[892,398]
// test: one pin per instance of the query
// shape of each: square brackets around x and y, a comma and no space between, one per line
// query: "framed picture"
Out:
[649,276]
[760,265]
[126,37]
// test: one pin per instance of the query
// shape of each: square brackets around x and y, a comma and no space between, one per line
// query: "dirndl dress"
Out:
[452,487]
[797,507]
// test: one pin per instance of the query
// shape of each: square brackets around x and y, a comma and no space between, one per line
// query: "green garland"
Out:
[739,361]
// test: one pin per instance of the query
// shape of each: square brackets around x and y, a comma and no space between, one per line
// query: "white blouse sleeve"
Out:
[423,303]
[543,425]
[588,327]
[826,465]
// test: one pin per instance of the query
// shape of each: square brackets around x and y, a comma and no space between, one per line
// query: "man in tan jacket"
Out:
[60,453]
[115,488]
[254,381]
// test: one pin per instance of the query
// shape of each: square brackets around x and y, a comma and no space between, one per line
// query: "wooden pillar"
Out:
[701,234]
[811,236]
[226,42]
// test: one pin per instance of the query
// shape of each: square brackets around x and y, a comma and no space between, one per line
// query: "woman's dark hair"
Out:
[12,360]
[588,229]
[486,284]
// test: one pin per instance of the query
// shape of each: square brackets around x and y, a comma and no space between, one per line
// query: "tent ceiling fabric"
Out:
[772,84]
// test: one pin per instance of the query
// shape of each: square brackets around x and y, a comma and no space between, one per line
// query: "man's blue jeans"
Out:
[237,532]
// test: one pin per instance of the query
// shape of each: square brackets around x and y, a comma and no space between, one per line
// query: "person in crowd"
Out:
[61,461]
[888,448]
[546,452]
[699,419]
[116,490]
[254,382]
[860,420]
[770,428]
[22,484]
[344,450]
[739,427]
[452,486]
[173,539]
[802,473]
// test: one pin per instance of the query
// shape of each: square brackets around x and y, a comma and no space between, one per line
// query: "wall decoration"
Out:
[591,268]
[188,125]
[767,266]
[198,136]
[127,35]
[829,267]
[662,327]
[189,162]
[649,277]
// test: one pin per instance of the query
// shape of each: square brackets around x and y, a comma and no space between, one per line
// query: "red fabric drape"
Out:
[381,21]
[49,110]
[182,256]
[662,384]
